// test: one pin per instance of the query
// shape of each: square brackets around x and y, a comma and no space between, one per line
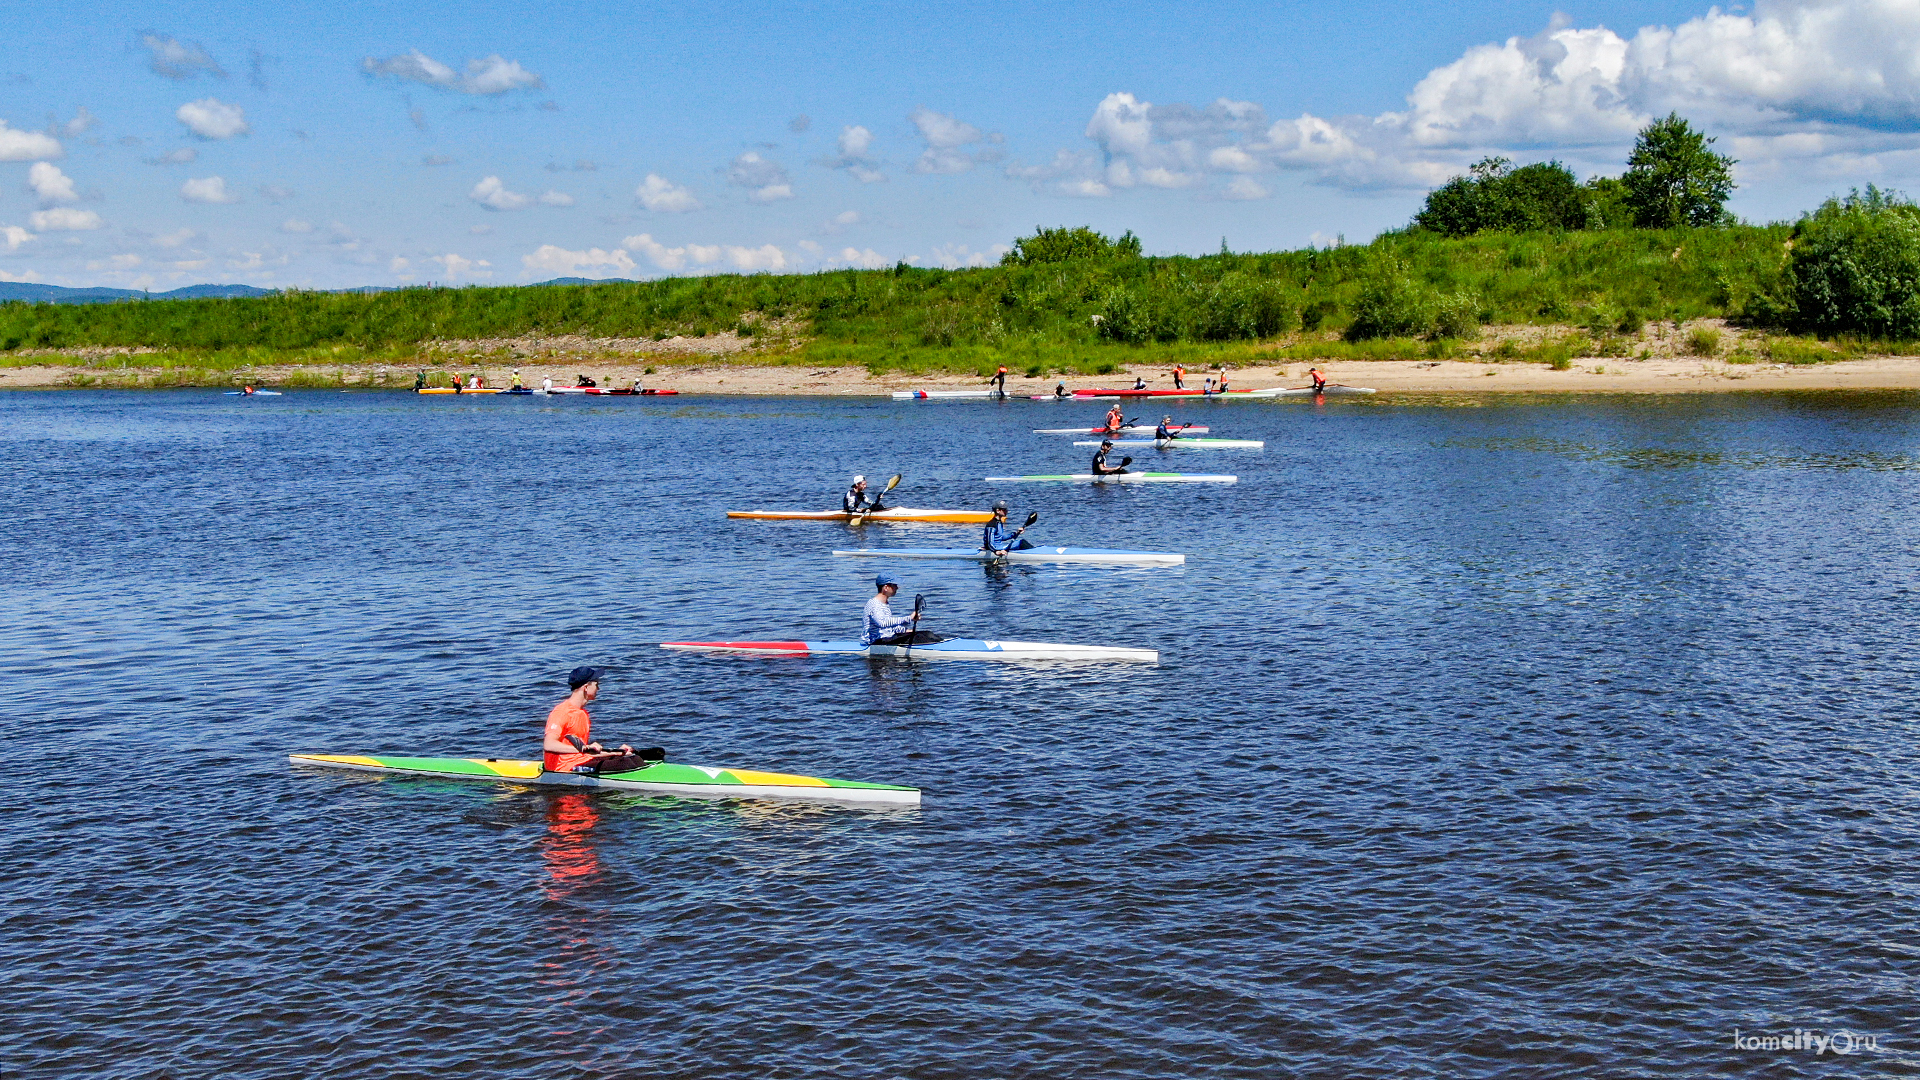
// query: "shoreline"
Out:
[1589,375]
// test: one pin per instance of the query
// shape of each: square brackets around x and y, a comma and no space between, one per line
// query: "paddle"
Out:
[651,753]
[1031,518]
[892,482]
[919,601]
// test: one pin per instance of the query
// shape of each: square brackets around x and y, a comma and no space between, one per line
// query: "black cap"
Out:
[581,676]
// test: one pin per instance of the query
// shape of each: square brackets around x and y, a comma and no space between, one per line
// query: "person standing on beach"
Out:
[546,385]
[516,380]
[420,379]
[1319,380]
[999,381]
[1178,372]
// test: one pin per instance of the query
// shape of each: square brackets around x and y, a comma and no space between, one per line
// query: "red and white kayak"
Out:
[1135,430]
[951,649]
[612,391]
[1161,393]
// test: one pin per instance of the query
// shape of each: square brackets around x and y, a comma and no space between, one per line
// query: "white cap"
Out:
[859,479]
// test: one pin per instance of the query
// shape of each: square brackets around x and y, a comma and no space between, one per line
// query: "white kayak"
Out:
[1130,429]
[951,649]
[1125,478]
[1030,555]
[1332,390]
[1187,444]
[940,395]
[256,393]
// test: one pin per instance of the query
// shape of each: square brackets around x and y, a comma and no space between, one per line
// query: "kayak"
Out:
[1129,478]
[660,778]
[256,393]
[473,390]
[1187,444]
[610,391]
[1131,429]
[1161,393]
[951,649]
[1029,555]
[1308,391]
[937,395]
[901,513]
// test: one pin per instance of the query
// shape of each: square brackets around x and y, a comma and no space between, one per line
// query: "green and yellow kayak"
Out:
[661,778]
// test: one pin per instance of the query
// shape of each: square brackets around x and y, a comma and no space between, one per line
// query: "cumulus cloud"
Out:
[182,156]
[211,189]
[81,122]
[1830,83]
[179,60]
[457,267]
[1245,188]
[211,118]
[707,258]
[555,198]
[13,236]
[553,259]
[854,144]
[16,145]
[947,140]
[765,179]
[493,195]
[663,196]
[50,185]
[64,219]
[865,258]
[488,75]
[955,256]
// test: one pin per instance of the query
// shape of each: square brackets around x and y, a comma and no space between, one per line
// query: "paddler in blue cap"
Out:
[568,741]
[883,626]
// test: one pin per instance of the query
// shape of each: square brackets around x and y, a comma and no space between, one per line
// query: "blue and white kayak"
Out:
[256,393]
[951,649]
[1187,444]
[1029,555]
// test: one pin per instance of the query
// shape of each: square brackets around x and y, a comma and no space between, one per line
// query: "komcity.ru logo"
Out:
[1840,1042]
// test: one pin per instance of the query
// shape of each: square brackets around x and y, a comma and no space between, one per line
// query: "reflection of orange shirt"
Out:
[568,719]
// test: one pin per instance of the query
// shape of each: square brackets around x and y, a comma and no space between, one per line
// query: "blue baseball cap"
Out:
[881,580]
[583,675]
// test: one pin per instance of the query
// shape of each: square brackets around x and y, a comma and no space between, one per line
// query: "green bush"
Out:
[1390,304]
[1703,341]
[1856,267]
[1067,245]
[1496,196]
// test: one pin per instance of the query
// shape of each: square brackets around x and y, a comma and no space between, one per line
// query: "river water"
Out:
[1492,737]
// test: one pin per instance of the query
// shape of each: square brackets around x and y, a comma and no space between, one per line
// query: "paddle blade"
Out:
[651,753]
[1031,518]
[1125,461]
[919,601]
[892,482]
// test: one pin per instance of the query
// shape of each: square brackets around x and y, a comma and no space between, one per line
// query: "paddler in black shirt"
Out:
[857,501]
[1166,429]
[1100,466]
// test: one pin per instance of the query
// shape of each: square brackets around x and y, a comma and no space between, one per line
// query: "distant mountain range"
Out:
[56,294]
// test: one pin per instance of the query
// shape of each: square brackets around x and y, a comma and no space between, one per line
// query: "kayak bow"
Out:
[1030,555]
[662,778]
[936,517]
[1125,478]
[951,649]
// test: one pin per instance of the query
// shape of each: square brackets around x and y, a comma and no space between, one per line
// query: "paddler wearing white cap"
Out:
[886,628]
[857,501]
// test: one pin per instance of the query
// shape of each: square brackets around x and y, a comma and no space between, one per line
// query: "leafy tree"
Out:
[1607,204]
[1856,267]
[1069,245]
[1673,179]
[1496,196]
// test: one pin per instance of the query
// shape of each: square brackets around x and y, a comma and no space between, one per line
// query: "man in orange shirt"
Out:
[569,741]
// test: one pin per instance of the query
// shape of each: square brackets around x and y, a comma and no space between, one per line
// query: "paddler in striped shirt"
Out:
[568,743]
[886,628]
[857,501]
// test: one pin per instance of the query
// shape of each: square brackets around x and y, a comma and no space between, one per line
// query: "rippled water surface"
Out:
[1491,738]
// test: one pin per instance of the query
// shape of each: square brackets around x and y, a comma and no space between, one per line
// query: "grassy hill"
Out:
[1082,315]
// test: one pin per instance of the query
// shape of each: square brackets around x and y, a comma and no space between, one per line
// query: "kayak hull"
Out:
[611,391]
[953,649]
[256,393]
[663,778]
[946,395]
[1122,478]
[1161,393]
[1332,390]
[1187,444]
[1131,429]
[934,517]
[1030,555]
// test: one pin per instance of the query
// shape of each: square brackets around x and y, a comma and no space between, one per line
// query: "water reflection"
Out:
[573,863]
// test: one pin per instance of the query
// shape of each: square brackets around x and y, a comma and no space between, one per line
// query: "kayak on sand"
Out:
[1126,478]
[950,649]
[899,513]
[1029,555]
[1187,444]
[660,778]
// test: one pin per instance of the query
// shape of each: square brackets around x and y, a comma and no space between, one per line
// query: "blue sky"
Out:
[329,145]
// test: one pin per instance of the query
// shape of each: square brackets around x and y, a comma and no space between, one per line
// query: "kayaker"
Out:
[886,628]
[1100,466]
[999,380]
[1115,422]
[1139,383]
[1319,380]
[1178,373]
[420,379]
[1166,429]
[546,385]
[516,380]
[1207,390]
[998,538]
[247,389]
[1060,392]
[1223,380]
[568,742]
[857,501]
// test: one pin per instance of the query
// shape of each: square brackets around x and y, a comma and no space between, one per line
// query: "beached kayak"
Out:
[1161,393]
[256,393]
[1030,555]
[939,395]
[1131,429]
[1127,478]
[660,778]
[937,517]
[463,390]
[1187,444]
[612,391]
[951,649]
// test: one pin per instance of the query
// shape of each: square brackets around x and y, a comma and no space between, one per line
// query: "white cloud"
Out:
[50,185]
[663,196]
[743,259]
[955,256]
[399,265]
[556,198]
[16,145]
[178,60]
[64,219]
[457,267]
[182,156]
[13,236]
[1245,188]
[211,118]
[493,195]
[210,189]
[766,178]
[489,75]
[946,138]
[867,258]
[296,226]
[854,144]
[81,122]
[553,259]
[846,217]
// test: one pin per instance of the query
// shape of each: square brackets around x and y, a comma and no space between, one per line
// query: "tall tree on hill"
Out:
[1496,196]
[1674,179]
